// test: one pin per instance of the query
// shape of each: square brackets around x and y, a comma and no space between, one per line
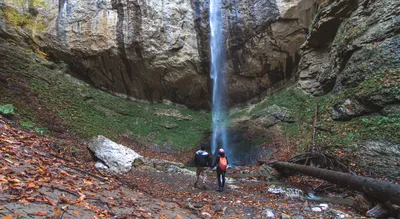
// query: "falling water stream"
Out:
[219,103]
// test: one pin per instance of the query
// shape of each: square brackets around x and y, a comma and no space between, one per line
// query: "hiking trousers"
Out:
[200,171]
[221,177]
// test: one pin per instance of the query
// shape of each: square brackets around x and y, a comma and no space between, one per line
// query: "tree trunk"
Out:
[314,135]
[383,191]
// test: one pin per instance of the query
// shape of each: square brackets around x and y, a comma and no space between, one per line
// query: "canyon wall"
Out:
[159,50]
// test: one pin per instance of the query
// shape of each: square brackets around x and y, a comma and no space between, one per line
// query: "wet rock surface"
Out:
[159,51]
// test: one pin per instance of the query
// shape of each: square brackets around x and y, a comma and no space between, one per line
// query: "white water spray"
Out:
[219,103]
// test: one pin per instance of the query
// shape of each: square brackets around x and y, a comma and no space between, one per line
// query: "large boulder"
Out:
[378,157]
[267,172]
[116,157]
[268,117]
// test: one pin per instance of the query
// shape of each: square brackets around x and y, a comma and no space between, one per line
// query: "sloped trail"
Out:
[35,182]
[38,182]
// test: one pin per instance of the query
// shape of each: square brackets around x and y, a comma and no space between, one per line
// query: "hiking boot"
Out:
[222,189]
[219,189]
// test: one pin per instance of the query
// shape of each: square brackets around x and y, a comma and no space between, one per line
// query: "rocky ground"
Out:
[39,182]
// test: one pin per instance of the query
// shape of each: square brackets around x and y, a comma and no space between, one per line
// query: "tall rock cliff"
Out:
[159,50]
[144,49]
[262,40]
[156,50]
[352,48]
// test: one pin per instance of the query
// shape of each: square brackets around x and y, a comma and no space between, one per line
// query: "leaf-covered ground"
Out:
[38,182]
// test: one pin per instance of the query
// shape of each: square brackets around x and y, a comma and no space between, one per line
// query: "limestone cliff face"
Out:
[350,41]
[157,50]
[144,49]
[353,53]
[264,37]
[262,40]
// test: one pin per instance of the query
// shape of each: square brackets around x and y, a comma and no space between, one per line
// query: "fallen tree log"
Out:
[383,191]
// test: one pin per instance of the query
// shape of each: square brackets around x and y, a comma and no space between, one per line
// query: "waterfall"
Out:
[217,74]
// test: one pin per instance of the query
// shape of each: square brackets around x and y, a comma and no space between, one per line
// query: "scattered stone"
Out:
[289,192]
[189,206]
[379,211]
[198,205]
[316,209]
[362,204]
[338,214]
[174,169]
[168,125]
[273,115]
[348,109]
[269,213]
[233,187]
[268,172]
[218,209]
[117,157]
[100,165]
[297,217]
[324,206]
[285,216]
[205,214]
[281,113]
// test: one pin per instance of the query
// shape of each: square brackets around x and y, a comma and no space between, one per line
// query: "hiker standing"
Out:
[202,161]
[222,162]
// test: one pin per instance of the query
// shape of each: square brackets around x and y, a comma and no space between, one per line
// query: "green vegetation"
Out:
[384,81]
[33,126]
[32,22]
[88,111]
[31,3]
[330,133]
[92,112]
[348,31]
[289,98]
[7,109]
[301,107]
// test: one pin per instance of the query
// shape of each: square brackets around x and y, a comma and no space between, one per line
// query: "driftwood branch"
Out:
[63,190]
[321,159]
[383,191]
[85,172]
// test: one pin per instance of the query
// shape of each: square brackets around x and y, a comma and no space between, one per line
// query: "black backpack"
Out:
[202,159]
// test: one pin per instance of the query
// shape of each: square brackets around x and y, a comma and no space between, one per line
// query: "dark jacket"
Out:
[216,162]
[202,159]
